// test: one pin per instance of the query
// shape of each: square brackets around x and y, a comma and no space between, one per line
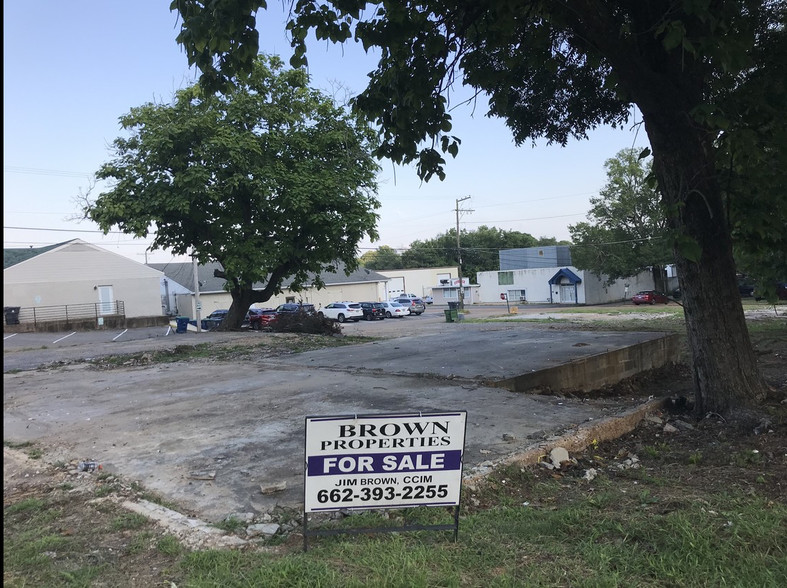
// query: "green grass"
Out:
[620,533]
[575,545]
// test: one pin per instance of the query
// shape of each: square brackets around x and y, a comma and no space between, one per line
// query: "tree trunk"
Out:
[723,361]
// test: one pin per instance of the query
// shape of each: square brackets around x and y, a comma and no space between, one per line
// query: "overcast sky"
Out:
[71,69]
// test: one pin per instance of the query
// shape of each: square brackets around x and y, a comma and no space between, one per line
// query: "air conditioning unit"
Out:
[444,282]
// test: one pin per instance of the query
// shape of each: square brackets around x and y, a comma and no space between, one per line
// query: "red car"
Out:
[649,297]
[260,319]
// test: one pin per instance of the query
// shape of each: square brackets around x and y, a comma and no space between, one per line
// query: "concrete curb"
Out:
[585,435]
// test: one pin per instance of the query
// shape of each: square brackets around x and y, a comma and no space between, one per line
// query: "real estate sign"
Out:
[383,461]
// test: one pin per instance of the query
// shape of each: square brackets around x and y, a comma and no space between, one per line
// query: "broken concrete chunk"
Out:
[683,425]
[244,517]
[670,429]
[273,488]
[262,529]
[558,455]
[203,475]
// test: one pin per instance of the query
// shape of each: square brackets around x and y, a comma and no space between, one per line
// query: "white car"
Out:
[395,310]
[342,311]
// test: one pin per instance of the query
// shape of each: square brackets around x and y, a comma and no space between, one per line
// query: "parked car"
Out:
[295,307]
[649,297]
[261,318]
[342,311]
[428,299]
[414,305]
[372,311]
[395,310]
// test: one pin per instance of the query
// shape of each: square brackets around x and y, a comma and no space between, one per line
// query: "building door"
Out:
[105,297]
[568,294]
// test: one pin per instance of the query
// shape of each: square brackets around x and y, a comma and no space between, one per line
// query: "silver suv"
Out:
[414,305]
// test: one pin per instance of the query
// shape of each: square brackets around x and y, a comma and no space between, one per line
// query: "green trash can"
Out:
[451,316]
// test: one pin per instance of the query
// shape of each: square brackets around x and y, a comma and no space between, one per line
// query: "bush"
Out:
[304,322]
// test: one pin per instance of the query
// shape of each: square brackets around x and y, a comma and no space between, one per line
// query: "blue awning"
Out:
[565,273]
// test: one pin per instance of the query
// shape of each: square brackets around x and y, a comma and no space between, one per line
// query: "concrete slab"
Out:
[245,421]
[512,358]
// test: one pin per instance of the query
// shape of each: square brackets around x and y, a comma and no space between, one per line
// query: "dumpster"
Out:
[11,314]
[183,324]
[451,316]
[453,305]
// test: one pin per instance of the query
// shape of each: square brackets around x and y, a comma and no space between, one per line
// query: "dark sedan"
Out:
[373,311]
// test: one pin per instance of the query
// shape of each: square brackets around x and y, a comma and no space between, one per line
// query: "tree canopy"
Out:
[557,70]
[626,229]
[479,247]
[382,258]
[271,179]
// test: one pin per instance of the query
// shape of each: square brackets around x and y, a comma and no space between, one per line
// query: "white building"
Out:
[545,279]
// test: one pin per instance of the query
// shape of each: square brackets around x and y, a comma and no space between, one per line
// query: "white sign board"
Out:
[383,461]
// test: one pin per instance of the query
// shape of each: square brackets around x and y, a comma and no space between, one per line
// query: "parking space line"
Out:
[120,335]
[9,336]
[61,338]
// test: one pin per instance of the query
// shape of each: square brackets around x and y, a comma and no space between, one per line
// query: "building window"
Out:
[505,278]
[289,299]
[451,293]
[517,296]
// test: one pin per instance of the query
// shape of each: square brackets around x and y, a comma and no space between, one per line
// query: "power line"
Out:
[66,230]
[45,172]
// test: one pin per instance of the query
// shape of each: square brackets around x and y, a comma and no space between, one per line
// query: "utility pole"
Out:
[459,253]
[197,303]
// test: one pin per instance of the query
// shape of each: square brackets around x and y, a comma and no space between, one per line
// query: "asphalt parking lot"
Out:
[243,421]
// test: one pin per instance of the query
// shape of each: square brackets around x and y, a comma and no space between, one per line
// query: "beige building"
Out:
[360,286]
[421,282]
[78,274]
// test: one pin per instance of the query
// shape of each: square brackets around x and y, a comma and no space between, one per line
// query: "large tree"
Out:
[626,229]
[271,179]
[557,69]
[382,258]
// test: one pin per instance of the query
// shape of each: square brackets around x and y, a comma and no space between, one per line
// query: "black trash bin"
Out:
[183,324]
[453,306]
[11,314]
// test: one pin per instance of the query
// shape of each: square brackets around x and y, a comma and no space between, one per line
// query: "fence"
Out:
[69,314]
